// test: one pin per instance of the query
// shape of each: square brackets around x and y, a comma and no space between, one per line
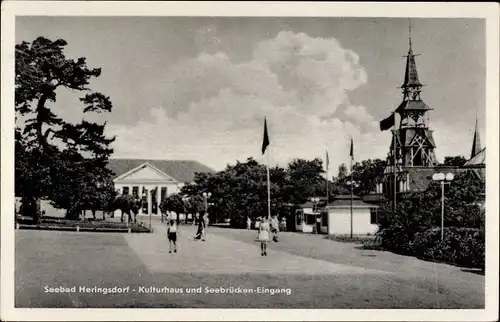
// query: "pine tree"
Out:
[59,160]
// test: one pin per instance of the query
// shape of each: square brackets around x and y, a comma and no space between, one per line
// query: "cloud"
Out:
[211,108]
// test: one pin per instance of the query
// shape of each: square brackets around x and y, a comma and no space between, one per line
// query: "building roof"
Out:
[346,197]
[356,203]
[476,143]
[415,105]
[411,75]
[180,170]
[374,197]
[420,177]
[477,161]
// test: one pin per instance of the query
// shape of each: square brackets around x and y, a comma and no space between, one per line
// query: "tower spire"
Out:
[411,85]
[476,142]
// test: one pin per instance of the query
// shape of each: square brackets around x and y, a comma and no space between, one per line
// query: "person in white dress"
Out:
[264,236]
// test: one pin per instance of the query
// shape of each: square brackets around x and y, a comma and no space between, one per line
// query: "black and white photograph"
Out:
[250,161]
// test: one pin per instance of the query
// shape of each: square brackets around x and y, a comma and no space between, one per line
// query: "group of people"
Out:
[268,228]
[172,231]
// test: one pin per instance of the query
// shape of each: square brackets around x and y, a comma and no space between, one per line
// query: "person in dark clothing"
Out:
[200,231]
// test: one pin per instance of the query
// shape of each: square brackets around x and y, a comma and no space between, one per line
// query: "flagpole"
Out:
[395,162]
[352,183]
[327,193]
[268,188]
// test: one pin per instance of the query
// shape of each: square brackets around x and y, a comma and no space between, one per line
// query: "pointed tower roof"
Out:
[476,142]
[411,74]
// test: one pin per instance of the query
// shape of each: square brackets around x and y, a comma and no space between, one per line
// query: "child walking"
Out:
[264,236]
[172,235]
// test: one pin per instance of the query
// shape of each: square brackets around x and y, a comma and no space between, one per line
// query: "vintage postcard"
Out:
[273,161]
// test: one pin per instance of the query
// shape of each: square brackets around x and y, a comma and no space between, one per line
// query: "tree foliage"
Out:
[240,190]
[128,205]
[455,161]
[56,159]
[408,228]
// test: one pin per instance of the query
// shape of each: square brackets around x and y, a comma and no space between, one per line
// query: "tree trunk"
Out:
[93,214]
[72,213]
[31,208]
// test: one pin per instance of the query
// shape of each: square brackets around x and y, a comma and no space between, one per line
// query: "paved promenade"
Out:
[318,273]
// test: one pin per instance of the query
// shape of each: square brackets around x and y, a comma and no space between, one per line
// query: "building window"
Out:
[373,216]
[135,191]
[126,190]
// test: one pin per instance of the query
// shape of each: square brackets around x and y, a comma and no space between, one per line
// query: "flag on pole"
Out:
[265,142]
[351,154]
[388,122]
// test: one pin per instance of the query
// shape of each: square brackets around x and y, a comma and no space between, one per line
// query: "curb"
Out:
[80,229]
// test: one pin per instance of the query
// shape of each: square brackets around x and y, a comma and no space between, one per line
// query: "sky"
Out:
[199,88]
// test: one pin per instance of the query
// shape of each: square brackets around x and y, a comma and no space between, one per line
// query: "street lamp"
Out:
[315,201]
[352,184]
[206,196]
[443,179]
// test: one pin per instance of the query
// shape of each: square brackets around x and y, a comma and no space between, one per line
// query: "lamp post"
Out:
[352,184]
[315,201]
[206,196]
[443,179]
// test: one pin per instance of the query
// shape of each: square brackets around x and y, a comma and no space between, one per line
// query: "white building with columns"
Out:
[153,180]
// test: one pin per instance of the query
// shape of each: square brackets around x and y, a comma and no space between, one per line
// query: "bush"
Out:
[356,239]
[396,238]
[460,246]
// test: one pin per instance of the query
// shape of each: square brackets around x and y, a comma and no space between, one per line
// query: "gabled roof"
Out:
[180,170]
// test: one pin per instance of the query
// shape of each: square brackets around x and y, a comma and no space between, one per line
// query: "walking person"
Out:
[249,223]
[172,236]
[206,221]
[263,236]
[318,225]
[275,229]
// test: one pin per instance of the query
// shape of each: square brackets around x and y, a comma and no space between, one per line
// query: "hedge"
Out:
[464,247]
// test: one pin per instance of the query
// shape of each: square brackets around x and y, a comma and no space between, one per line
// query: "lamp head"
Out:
[438,176]
[449,176]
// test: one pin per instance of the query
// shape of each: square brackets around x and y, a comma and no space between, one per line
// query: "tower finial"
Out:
[409,31]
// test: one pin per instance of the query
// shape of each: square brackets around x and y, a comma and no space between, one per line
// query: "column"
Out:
[158,201]
[150,206]
[140,196]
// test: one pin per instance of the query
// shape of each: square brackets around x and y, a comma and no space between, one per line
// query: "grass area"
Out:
[63,259]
